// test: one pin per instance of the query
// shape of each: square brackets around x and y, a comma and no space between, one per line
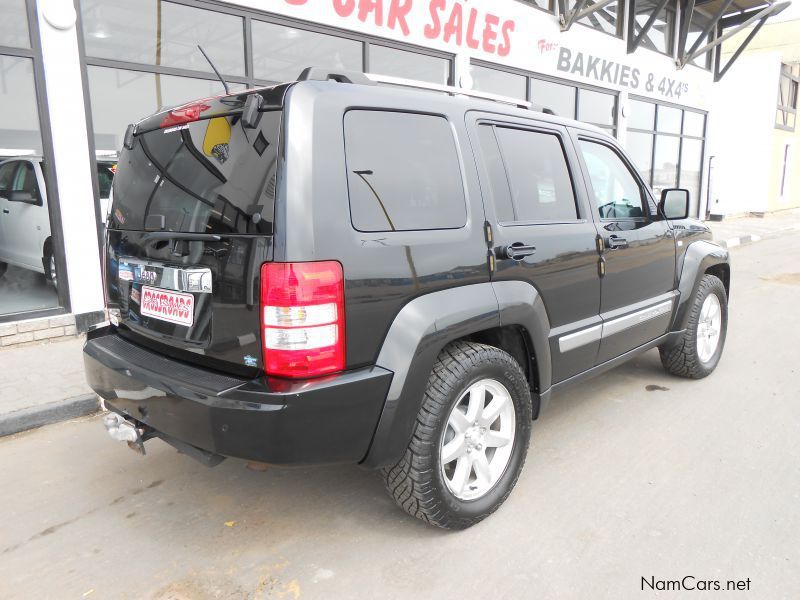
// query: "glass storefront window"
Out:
[135,94]
[640,148]
[668,119]
[498,82]
[691,165]
[693,123]
[642,115]
[557,97]
[281,53]
[408,65]
[14,24]
[19,119]
[665,167]
[659,36]
[154,32]
[606,19]
[597,108]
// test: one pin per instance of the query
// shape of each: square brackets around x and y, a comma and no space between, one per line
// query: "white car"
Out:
[25,239]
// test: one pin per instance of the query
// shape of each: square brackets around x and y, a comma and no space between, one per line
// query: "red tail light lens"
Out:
[302,318]
[184,114]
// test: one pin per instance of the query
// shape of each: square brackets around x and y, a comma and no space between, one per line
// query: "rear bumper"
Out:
[326,420]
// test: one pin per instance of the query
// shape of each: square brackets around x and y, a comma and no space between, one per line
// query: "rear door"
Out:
[190,225]
[26,224]
[542,232]
[638,285]
[7,170]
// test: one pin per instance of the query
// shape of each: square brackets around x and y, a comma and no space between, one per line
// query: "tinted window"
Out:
[498,82]
[403,172]
[409,65]
[153,32]
[617,194]
[557,97]
[281,53]
[14,24]
[105,175]
[210,177]
[538,179]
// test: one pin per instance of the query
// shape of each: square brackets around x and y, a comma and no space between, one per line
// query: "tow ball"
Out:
[123,430]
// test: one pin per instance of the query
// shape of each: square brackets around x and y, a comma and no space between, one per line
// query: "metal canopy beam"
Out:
[634,39]
[568,17]
[719,73]
[761,16]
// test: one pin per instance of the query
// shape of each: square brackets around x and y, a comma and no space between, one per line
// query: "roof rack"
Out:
[320,74]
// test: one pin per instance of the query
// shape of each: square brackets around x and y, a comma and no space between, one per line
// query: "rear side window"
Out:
[528,174]
[402,172]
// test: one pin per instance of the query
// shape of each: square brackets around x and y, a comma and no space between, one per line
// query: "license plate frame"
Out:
[167,305]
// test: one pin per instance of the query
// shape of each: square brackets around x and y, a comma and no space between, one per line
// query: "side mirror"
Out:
[24,197]
[674,204]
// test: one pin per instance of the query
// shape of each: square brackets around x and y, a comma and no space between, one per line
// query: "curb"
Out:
[45,414]
[743,240]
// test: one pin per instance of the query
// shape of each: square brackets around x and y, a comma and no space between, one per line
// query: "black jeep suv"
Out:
[330,271]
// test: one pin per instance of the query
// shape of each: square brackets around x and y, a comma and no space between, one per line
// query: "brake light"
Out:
[302,318]
[184,114]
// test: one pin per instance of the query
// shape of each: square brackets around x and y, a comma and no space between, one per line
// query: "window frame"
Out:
[794,89]
[536,128]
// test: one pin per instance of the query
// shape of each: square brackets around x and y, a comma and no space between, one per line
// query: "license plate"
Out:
[166,305]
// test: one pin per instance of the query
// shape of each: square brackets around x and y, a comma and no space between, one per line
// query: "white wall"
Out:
[741,131]
[62,69]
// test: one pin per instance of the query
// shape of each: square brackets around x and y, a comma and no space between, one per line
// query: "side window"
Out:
[7,177]
[529,177]
[26,180]
[402,172]
[617,194]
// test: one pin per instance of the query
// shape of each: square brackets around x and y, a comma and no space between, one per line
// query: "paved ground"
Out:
[633,475]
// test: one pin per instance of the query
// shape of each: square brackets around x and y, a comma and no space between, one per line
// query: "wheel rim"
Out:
[709,328]
[477,441]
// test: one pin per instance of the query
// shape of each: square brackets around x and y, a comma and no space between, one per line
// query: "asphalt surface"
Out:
[634,474]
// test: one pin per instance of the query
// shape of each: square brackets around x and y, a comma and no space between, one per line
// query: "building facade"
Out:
[766,144]
[72,77]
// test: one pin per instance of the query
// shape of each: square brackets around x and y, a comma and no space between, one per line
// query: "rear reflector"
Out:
[302,318]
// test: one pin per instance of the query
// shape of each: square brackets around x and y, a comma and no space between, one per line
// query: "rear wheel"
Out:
[700,348]
[49,264]
[470,438]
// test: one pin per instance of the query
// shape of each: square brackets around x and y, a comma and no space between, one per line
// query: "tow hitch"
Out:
[123,430]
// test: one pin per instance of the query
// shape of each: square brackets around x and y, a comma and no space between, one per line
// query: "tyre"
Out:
[697,353]
[470,438]
[3,268]
[49,264]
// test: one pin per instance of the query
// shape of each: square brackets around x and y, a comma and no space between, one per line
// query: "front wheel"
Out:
[697,353]
[470,438]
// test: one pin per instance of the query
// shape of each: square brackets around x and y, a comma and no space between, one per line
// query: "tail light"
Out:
[302,318]
[184,114]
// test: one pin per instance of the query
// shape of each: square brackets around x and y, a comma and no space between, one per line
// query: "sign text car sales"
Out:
[454,24]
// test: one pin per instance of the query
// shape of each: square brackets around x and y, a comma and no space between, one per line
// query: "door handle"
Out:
[615,241]
[516,251]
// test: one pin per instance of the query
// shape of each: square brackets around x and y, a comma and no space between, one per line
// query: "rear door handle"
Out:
[516,251]
[615,241]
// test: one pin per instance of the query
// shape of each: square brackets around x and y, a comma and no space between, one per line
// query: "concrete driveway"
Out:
[633,475]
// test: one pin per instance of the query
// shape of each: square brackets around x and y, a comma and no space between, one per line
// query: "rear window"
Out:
[209,176]
[402,172]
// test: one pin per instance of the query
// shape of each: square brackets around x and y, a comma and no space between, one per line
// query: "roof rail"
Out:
[356,77]
[448,89]
[320,74]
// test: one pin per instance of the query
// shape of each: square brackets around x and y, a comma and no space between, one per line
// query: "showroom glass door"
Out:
[28,252]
